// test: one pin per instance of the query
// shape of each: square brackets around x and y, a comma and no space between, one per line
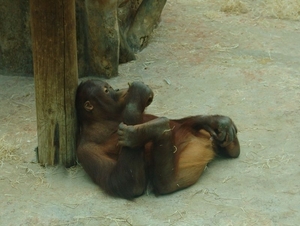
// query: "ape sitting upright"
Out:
[123,149]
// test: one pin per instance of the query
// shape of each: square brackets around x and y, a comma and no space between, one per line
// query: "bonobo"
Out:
[123,149]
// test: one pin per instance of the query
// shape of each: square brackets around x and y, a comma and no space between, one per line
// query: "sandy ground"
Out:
[199,61]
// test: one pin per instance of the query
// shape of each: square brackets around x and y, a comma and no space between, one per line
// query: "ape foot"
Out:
[128,136]
[232,149]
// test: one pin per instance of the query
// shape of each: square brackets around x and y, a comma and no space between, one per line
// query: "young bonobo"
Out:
[123,149]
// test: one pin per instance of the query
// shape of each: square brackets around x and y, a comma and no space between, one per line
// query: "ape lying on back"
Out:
[123,149]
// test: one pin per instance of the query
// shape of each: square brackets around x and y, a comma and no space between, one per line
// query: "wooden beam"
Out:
[53,31]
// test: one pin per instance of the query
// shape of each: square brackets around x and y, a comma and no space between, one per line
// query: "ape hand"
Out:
[222,130]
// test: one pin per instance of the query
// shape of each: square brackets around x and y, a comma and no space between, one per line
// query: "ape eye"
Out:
[106,90]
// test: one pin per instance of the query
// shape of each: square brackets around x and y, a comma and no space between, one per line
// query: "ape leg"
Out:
[157,131]
[179,157]
[163,171]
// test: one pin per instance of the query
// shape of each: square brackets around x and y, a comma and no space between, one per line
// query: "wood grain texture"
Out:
[53,30]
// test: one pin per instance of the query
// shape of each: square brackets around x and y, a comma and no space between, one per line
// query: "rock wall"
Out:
[109,32]
[15,42]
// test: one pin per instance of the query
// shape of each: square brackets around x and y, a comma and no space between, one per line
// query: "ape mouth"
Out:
[122,98]
[120,95]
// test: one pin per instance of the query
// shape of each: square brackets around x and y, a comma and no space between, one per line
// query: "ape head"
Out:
[97,100]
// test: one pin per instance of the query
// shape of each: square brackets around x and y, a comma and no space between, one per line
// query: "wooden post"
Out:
[53,31]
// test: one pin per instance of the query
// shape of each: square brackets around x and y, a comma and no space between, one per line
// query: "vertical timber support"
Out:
[53,31]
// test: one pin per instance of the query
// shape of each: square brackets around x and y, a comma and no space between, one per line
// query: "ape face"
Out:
[97,100]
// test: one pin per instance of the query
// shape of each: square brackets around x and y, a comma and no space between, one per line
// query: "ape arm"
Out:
[128,178]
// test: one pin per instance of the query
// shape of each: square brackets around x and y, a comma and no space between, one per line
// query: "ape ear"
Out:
[88,106]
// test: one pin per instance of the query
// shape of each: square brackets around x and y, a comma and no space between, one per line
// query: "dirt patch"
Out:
[200,61]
